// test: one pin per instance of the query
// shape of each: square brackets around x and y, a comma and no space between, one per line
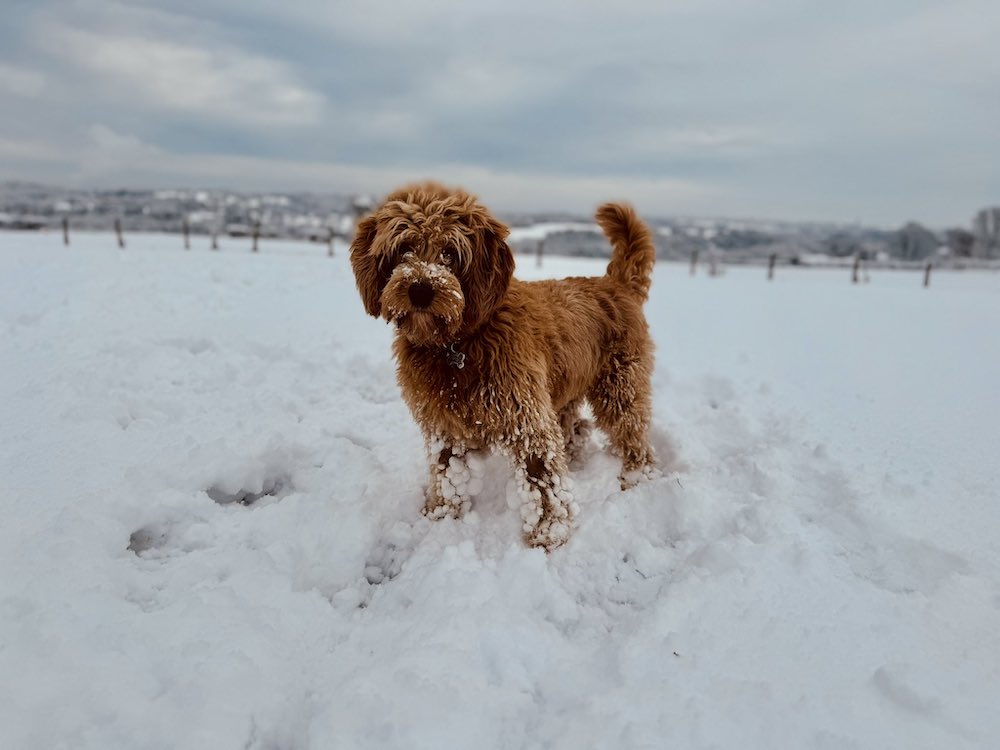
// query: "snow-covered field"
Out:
[819,567]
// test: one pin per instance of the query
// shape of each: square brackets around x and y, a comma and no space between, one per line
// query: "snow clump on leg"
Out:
[455,480]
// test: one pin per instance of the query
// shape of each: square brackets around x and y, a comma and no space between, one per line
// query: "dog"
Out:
[486,361]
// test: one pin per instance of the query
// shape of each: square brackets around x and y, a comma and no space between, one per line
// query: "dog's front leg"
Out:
[544,490]
[456,477]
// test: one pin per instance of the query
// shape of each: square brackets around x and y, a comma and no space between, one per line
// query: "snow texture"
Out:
[212,535]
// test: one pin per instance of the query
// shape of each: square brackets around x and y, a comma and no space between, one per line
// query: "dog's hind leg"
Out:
[576,431]
[622,405]
[456,477]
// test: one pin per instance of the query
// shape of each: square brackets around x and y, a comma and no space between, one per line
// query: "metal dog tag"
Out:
[456,358]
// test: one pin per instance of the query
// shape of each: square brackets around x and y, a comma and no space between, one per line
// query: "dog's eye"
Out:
[447,257]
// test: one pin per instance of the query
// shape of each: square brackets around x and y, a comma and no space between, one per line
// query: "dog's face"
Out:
[433,261]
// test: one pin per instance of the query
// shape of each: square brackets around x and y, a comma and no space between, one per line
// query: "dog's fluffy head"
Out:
[433,261]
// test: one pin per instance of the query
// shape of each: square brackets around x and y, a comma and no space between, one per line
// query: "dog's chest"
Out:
[438,393]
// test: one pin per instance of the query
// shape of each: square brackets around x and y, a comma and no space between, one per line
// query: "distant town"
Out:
[321,218]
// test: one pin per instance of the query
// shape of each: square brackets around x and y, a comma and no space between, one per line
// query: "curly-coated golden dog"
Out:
[490,362]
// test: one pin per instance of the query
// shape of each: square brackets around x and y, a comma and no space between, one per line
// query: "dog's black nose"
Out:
[421,293]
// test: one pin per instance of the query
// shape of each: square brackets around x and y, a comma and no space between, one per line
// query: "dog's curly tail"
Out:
[633,252]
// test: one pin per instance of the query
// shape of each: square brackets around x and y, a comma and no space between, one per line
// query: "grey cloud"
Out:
[878,112]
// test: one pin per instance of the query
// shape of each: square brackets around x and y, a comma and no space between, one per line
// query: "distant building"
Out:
[960,242]
[986,230]
[362,205]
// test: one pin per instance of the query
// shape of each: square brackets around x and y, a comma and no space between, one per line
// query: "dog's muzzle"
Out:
[425,301]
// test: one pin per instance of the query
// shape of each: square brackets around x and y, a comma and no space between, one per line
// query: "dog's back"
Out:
[582,320]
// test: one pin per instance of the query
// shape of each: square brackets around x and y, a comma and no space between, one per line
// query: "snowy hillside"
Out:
[211,534]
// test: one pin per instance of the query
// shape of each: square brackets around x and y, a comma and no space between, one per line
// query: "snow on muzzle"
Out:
[424,300]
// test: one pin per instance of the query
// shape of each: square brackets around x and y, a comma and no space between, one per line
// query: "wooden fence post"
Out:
[771,260]
[927,274]
[65,225]
[187,234]
[694,261]
[118,231]
[256,235]
[218,222]
[329,242]
[856,268]
[539,252]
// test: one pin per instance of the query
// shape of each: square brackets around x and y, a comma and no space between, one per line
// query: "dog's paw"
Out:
[548,513]
[549,534]
[454,486]
[631,478]
[437,507]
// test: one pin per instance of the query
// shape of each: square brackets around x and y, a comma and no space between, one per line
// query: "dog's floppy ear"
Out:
[493,267]
[503,260]
[366,267]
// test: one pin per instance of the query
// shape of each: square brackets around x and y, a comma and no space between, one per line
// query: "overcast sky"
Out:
[875,111]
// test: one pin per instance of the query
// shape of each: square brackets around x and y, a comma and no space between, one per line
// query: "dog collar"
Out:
[455,358]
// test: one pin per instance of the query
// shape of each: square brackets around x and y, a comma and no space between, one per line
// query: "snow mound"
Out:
[212,533]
